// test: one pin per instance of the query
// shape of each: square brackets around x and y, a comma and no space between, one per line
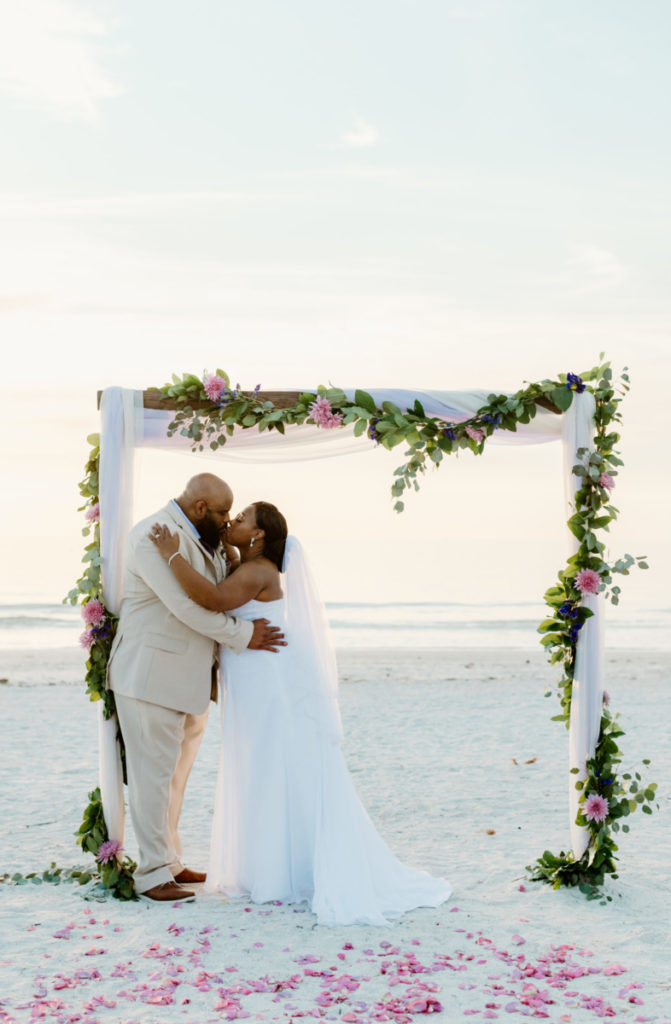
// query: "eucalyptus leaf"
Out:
[562,398]
[365,401]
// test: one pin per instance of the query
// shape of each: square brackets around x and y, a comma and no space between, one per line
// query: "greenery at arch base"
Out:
[208,412]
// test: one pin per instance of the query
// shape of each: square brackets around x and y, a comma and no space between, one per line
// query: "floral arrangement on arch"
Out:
[208,412]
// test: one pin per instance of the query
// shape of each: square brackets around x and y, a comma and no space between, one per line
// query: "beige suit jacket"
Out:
[166,644]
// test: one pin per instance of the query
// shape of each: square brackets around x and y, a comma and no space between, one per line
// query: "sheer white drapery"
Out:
[587,694]
[126,425]
[121,413]
[310,650]
[300,441]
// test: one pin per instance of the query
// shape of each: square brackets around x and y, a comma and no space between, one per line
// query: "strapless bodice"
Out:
[250,610]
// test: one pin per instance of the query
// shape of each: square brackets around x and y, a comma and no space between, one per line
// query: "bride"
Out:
[288,824]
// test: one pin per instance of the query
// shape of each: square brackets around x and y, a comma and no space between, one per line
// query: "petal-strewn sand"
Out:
[456,758]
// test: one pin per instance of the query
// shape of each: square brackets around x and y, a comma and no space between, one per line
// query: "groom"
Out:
[162,669]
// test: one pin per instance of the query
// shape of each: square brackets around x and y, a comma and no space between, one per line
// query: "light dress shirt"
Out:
[186,519]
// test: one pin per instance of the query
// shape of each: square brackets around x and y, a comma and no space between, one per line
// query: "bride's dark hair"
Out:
[274,525]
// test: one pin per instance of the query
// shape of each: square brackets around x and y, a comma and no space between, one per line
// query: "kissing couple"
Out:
[204,596]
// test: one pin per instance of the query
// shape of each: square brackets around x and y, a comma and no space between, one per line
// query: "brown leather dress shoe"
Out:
[188,877]
[168,892]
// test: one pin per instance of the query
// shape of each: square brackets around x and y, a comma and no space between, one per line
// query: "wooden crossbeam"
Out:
[152,399]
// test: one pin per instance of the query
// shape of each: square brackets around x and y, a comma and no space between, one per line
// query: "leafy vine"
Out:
[114,872]
[209,410]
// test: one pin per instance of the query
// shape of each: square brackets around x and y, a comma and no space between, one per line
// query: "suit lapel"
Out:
[189,535]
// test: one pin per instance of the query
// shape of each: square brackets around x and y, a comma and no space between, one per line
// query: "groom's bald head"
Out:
[206,487]
[206,501]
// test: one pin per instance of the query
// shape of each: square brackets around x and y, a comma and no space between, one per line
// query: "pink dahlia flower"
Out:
[109,850]
[86,639]
[606,480]
[323,414]
[596,808]
[588,581]
[214,386]
[93,612]
[93,512]
[475,433]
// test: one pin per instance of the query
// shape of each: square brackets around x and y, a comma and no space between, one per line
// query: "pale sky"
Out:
[434,194]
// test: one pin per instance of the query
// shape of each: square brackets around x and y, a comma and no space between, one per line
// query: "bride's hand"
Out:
[232,556]
[166,542]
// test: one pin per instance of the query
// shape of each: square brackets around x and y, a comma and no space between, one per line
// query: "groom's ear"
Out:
[200,507]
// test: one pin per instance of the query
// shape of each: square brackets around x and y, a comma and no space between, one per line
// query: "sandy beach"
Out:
[460,767]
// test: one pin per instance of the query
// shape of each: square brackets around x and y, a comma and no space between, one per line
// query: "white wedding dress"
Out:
[288,824]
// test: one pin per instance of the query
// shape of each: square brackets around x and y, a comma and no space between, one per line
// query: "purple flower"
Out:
[92,513]
[575,382]
[101,632]
[606,698]
[596,808]
[450,433]
[606,480]
[86,639]
[108,851]
[574,630]
[373,432]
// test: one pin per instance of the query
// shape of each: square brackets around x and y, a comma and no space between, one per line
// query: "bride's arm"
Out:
[243,585]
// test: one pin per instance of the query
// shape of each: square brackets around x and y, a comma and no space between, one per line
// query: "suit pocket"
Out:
[173,644]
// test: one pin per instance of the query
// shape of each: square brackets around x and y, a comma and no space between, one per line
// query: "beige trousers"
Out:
[161,746]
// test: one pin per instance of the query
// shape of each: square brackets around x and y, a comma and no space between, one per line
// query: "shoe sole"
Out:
[176,899]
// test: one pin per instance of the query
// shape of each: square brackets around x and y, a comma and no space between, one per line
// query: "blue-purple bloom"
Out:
[373,432]
[450,433]
[574,630]
[575,382]
[101,632]
[568,610]
[227,396]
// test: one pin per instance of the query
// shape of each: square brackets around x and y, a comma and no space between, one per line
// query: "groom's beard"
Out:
[208,530]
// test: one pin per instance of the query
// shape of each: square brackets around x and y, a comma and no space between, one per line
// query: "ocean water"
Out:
[25,626]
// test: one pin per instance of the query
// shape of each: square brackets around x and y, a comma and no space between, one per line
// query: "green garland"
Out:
[113,872]
[209,411]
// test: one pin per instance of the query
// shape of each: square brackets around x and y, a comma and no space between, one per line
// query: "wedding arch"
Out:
[577,410]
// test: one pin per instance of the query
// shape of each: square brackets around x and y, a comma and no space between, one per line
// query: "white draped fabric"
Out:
[299,442]
[121,413]
[587,691]
[126,425]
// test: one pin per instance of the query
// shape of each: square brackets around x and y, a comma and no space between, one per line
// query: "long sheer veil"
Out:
[309,645]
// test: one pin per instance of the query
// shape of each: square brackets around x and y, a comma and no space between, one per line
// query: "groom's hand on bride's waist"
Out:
[266,637]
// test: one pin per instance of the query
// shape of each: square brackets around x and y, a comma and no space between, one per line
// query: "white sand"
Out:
[432,741]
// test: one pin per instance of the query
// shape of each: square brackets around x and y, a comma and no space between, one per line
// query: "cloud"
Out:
[595,268]
[362,134]
[50,58]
